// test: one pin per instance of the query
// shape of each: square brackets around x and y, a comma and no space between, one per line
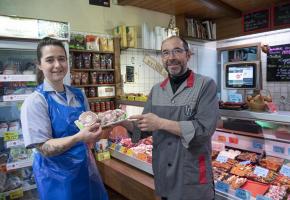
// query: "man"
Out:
[181,114]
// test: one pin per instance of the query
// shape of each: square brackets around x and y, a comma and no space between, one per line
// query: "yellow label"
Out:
[8,136]
[18,193]
[129,152]
[106,155]
[131,98]
[100,156]
[2,196]
[113,146]
[123,149]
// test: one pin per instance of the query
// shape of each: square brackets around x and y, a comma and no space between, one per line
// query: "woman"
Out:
[63,166]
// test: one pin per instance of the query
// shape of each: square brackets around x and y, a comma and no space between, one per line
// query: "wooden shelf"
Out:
[197,39]
[131,103]
[92,70]
[100,98]
[90,51]
[94,85]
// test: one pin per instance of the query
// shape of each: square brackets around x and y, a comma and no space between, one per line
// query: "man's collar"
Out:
[189,83]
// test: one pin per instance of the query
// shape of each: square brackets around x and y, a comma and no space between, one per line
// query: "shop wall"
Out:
[277,89]
[82,16]
[203,61]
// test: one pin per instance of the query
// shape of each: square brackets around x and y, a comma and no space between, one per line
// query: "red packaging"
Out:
[103,106]
[108,105]
[92,107]
[97,107]
[112,105]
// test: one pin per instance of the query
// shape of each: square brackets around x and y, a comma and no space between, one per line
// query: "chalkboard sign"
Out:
[130,74]
[278,63]
[256,21]
[281,15]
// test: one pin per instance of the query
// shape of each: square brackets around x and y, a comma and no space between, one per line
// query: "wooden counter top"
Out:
[127,180]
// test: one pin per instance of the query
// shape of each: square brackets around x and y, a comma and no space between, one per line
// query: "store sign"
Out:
[222,159]
[257,144]
[18,193]
[285,170]
[260,197]
[243,194]
[260,171]
[18,27]
[8,136]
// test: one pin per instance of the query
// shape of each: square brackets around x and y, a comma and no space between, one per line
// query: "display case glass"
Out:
[250,154]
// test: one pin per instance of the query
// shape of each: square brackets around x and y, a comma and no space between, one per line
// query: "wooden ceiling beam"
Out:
[220,6]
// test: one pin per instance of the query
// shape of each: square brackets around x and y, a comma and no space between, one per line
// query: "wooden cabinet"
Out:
[97,73]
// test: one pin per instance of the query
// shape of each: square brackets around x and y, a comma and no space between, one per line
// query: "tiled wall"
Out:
[145,76]
[277,89]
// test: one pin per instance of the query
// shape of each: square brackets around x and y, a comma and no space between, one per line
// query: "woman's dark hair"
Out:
[47,41]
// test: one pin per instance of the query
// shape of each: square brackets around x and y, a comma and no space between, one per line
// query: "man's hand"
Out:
[148,122]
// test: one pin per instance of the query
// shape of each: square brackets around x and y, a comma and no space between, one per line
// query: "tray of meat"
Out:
[226,166]
[252,157]
[272,163]
[219,175]
[106,119]
[235,181]
[241,170]
[276,192]
[255,188]
[271,176]
[282,180]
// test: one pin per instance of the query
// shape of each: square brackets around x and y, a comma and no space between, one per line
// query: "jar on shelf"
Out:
[92,92]
[109,61]
[103,62]
[108,105]
[92,107]
[78,61]
[103,106]
[85,78]
[87,60]
[100,79]
[96,61]
[97,107]
[93,77]
[112,105]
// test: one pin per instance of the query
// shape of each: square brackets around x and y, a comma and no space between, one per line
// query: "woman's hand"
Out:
[90,134]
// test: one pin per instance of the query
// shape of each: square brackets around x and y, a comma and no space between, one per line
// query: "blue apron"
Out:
[72,175]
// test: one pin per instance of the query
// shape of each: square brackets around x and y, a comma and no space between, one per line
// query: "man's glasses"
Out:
[174,52]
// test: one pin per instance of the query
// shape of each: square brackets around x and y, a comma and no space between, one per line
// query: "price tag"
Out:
[257,144]
[222,159]
[8,136]
[288,151]
[222,138]
[221,186]
[2,196]
[129,152]
[18,193]
[285,170]
[260,197]
[113,146]
[234,140]
[260,171]
[245,162]
[243,194]
[278,149]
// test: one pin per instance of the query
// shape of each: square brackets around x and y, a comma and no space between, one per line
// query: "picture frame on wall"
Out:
[256,21]
[105,3]
[281,15]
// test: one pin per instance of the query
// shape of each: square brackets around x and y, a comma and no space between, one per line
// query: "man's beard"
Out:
[175,62]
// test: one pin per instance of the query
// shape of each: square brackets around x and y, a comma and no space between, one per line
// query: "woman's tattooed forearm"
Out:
[50,149]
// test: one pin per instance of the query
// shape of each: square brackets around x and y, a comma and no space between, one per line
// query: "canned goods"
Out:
[92,107]
[112,105]
[97,107]
[108,105]
[103,106]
